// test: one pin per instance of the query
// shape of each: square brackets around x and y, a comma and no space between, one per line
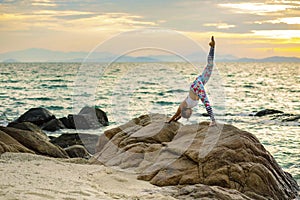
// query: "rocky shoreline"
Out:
[87,118]
[182,161]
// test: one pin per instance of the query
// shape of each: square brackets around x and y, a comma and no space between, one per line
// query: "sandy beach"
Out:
[28,176]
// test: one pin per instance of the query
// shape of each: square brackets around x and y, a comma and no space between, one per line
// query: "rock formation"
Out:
[173,154]
[87,118]
[37,116]
[9,144]
[35,142]
[29,138]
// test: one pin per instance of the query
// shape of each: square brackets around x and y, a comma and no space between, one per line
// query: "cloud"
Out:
[249,23]
[46,3]
[256,8]
[69,20]
[285,20]
[283,34]
[220,25]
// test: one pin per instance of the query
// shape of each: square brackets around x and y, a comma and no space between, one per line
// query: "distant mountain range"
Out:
[44,55]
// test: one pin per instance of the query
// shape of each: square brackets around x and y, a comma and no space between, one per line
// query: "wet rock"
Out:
[172,154]
[78,122]
[35,142]
[292,118]
[267,112]
[87,118]
[96,116]
[53,125]
[67,123]
[37,116]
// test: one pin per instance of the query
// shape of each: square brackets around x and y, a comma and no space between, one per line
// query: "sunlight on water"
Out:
[127,90]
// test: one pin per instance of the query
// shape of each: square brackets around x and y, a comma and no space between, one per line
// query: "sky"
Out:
[242,28]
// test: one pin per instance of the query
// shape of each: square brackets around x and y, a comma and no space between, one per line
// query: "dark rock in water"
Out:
[35,142]
[95,115]
[53,125]
[172,154]
[292,118]
[67,123]
[79,122]
[36,116]
[87,118]
[205,114]
[29,127]
[65,140]
[267,112]
[9,144]
[51,137]
[77,151]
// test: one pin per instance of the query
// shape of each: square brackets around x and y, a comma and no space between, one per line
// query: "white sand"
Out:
[27,176]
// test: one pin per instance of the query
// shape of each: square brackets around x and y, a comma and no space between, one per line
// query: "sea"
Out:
[126,90]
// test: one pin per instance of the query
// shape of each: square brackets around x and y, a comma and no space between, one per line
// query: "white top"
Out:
[191,102]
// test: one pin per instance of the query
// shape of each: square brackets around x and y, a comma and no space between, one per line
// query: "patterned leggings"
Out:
[198,85]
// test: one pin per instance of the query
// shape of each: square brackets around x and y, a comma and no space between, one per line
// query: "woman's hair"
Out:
[186,112]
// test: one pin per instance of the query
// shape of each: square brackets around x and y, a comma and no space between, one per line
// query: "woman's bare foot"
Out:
[213,123]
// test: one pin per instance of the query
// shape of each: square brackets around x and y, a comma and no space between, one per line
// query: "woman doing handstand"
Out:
[197,91]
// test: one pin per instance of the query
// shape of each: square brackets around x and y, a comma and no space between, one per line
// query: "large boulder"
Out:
[29,127]
[95,116]
[9,144]
[87,118]
[36,116]
[35,142]
[78,122]
[68,123]
[173,154]
[53,125]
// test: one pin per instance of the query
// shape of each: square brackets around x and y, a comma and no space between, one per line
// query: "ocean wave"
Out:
[177,91]
[9,81]
[296,91]
[147,83]
[55,107]
[3,96]
[56,80]
[13,87]
[41,98]
[54,86]
[248,86]
[163,102]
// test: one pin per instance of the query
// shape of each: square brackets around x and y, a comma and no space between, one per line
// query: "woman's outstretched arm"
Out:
[176,116]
